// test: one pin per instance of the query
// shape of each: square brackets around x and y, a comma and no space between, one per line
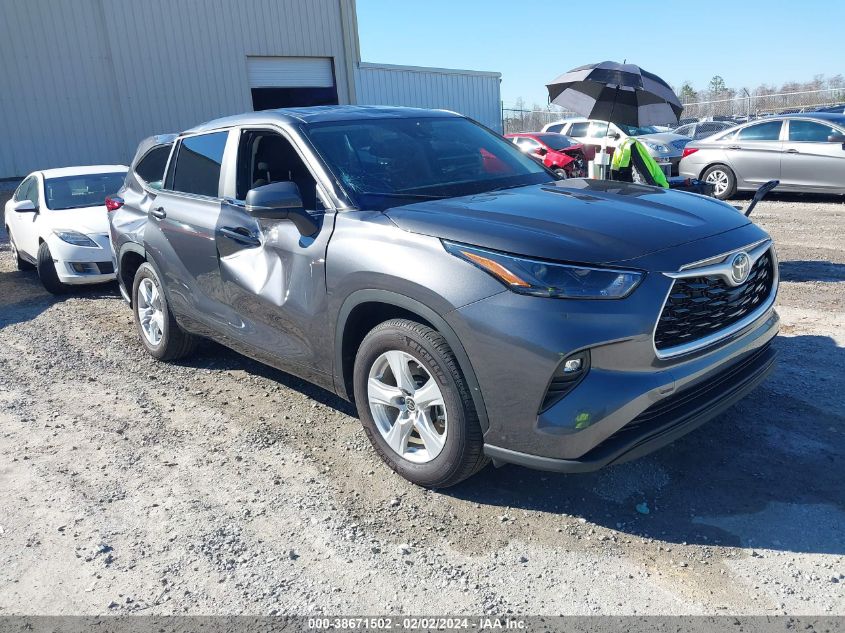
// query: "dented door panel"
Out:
[275,284]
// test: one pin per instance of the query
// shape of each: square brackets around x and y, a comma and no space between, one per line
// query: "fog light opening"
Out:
[83,268]
[568,374]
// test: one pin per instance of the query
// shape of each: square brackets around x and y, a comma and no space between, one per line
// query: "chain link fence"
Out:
[736,108]
[520,120]
[747,106]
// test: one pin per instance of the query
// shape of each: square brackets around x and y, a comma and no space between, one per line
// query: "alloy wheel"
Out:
[720,181]
[407,406]
[150,312]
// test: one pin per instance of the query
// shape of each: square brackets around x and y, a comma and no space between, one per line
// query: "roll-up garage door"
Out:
[290,72]
[291,82]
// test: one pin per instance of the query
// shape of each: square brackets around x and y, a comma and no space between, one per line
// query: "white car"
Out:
[58,223]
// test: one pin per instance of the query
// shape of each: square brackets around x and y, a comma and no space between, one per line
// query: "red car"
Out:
[557,151]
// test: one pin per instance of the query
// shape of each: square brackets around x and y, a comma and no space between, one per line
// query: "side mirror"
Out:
[25,206]
[541,151]
[280,201]
[837,138]
[614,136]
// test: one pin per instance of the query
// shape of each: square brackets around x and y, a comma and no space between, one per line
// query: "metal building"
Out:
[85,80]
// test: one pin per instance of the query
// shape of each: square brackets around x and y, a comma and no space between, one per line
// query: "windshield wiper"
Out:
[506,187]
[396,194]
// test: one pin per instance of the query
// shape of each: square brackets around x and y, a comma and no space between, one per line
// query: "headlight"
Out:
[545,279]
[658,147]
[76,238]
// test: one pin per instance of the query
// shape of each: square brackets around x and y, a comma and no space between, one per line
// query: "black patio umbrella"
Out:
[621,93]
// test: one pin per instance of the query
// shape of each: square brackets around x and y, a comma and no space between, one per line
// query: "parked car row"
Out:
[665,147]
[474,305]
[805,152]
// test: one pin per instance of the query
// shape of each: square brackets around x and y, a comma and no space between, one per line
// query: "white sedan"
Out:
[58,223]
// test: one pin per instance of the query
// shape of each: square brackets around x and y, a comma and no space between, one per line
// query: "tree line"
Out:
[717,89]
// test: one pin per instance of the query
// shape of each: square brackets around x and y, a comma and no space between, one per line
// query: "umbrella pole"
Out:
[605,166]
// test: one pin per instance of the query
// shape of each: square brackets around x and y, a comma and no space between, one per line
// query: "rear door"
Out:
[755,152]
[810,161]
[179,236]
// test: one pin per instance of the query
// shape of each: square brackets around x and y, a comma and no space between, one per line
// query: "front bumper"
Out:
[669,164]
[662,423]
[76,265]
[516,343]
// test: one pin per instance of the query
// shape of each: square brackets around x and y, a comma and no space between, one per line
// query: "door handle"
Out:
[734,147]
[241,235]
[158,212]
[792,151]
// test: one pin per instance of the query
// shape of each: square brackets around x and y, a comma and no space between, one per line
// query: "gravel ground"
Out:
[219,486]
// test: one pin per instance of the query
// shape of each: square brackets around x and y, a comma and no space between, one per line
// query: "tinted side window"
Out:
[578,130]
[769,131]
[198,164]
[810,132]
[151,167]
[557,127]
[684,130]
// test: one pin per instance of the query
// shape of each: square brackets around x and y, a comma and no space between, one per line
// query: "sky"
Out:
[747,42]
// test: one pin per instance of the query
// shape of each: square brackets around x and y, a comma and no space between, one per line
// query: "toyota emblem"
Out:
[740,268]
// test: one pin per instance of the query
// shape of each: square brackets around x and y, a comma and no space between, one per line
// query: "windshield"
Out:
[87,190]
[556,141]
[634,130]
[383,163]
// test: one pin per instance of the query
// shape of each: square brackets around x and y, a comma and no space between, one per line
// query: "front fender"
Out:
[361,297]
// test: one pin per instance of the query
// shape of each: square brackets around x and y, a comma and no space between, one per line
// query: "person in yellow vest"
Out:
[631,154]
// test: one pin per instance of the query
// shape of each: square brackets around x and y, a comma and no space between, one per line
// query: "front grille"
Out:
[700,306]
[105,268]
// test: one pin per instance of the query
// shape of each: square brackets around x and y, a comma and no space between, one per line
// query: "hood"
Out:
[675,143]
[576,220]
[662,137]
[87,220]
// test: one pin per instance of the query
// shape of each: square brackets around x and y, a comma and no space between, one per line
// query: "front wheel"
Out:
[47,271]
[415,405]
[723,180]
[158,330]
[561,173]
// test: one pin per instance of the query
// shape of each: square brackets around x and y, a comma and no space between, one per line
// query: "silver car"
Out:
[703,129]
[806,152]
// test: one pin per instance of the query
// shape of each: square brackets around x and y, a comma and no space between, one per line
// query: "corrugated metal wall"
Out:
[84,80]
[474,94]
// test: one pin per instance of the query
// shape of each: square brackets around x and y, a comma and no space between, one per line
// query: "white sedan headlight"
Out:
[658,147]
[76,238]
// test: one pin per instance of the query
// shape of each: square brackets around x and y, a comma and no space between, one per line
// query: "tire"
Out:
[148,298]
[458,451]
[723,178]
[20,263]
[561,173]
[47,271]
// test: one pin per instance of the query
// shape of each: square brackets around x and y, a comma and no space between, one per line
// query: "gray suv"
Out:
[470,304]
